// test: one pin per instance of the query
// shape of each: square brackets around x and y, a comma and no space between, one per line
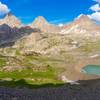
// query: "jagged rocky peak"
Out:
[10,20]
[40,19]
[82,16]
[39,22]
[81,25]
[84,20]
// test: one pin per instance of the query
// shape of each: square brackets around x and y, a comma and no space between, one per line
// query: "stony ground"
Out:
[87,90]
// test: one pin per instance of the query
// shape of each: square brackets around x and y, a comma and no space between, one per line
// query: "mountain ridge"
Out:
[81,27]
[10,20]
[43,44]
[41,23]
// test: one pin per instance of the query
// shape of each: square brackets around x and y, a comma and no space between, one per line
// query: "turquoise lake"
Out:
[92,69]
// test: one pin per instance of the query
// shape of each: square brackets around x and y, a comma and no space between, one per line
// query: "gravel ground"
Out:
[87,90]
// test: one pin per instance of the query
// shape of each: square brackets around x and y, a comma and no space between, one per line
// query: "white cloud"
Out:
[3,9]
[97,1]
[95,7]
[60,25]
[95,16]
[57,21]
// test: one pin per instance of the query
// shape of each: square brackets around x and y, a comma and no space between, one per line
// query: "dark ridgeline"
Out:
[86,90]
[9,35]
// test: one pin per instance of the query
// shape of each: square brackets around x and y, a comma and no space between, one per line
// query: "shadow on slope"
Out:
[23,84]
[9,35]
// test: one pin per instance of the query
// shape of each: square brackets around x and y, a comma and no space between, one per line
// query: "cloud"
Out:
[57,21]
[95,7]
[60,25]
[96,11]
[97,1]
[95,16]
[3,9]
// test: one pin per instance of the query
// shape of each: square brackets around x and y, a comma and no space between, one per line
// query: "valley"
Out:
[42,53]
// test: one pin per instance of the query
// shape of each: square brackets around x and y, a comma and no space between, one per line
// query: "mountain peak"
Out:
[41,23]
[82,16]
[10,20]
[80,25]
[40,20]
[83,20]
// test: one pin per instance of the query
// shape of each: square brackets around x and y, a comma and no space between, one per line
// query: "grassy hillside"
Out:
[33,69]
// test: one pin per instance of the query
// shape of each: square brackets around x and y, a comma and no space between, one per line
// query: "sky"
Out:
[55,11]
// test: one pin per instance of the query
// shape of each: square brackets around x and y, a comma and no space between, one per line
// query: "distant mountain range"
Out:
[68,47]
[37,35]
[82,24]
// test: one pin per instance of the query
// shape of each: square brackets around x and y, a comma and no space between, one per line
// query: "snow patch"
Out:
[64,79]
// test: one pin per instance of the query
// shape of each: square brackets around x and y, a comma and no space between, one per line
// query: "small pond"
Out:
[91,69]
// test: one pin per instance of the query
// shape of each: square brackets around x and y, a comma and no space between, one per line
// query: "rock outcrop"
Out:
[50,40]
[41,23]
[9,35]
[82,26]
[10,20]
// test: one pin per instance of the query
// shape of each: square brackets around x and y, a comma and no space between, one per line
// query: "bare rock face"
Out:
[10,35]
[41,23]
[84,20]
[10,20]
[27,42]
[82,26]
[38,37]
[7,33]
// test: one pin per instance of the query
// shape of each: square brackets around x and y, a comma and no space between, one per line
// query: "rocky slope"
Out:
[82,26]
[65,46]
[10,20]
[41,23]
[12,34]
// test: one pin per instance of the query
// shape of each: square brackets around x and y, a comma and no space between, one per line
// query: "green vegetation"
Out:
[23,83]
[2,62]
[17,52]
[38,70]
[31,76]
